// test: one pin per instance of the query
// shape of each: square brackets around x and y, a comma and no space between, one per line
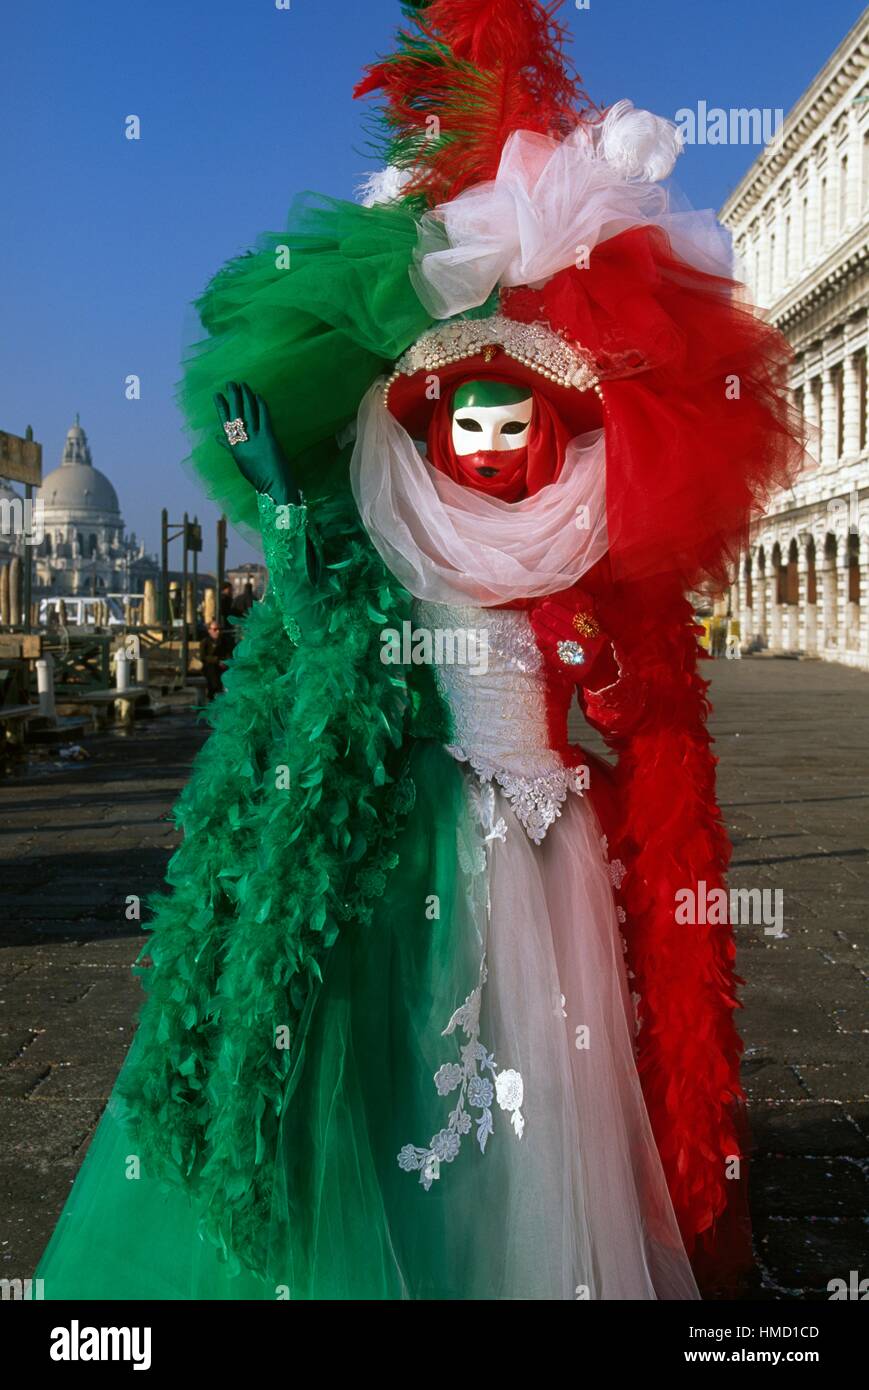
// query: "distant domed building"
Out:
[85,550]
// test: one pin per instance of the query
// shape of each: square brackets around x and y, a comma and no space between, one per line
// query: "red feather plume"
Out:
[465,76]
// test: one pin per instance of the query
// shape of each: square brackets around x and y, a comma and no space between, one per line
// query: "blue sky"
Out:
[104,241]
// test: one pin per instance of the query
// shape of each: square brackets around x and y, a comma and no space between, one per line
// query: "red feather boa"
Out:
[659,810]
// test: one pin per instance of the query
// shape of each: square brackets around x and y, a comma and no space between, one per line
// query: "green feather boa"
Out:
[288,821]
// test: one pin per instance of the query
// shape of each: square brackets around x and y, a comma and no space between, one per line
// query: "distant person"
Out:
[225,603]
[216,650]
[243,601]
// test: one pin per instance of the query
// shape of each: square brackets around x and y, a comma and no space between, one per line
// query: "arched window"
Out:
[822,214]
[811,572]
[839,390]
[93,547]
[771,266]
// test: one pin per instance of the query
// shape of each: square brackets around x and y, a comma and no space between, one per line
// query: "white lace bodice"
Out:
[490,673]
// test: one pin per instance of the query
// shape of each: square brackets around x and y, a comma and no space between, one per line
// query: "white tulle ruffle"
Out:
[444,542]
[551,202]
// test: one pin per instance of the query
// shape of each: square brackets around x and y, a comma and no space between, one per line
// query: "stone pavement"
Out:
[793,738]
[73,845]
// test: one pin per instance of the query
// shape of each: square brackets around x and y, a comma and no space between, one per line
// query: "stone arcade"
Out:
[800,223]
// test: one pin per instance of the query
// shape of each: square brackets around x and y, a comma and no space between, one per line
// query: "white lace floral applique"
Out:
[617,873]
[475,1077]
[636,1000]
[535,801]
[475,1090]
[615,868]
[482,798]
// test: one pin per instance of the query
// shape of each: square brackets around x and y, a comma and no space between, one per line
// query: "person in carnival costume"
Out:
[420,1021]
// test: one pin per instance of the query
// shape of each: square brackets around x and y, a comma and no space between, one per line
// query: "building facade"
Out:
[248,575]
[800,225]
[85,549]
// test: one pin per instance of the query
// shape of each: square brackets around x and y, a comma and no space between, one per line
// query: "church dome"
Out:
[76,486]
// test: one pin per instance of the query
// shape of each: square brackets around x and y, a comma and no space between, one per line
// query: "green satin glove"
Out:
[259,458]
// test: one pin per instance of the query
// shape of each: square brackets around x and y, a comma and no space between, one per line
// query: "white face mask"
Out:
[488,428]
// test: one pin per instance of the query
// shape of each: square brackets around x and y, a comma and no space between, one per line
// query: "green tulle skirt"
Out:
[348,1222]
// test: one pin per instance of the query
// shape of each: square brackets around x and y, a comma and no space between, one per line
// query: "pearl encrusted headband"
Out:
[534,345]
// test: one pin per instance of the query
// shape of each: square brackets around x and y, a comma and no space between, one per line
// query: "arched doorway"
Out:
[777,586]
[792,575]
[830,594]
[810,614]
[741,602]
[852,602]
[761,615]
[791,599]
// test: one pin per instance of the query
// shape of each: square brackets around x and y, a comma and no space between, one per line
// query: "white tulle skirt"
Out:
[585,1208]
